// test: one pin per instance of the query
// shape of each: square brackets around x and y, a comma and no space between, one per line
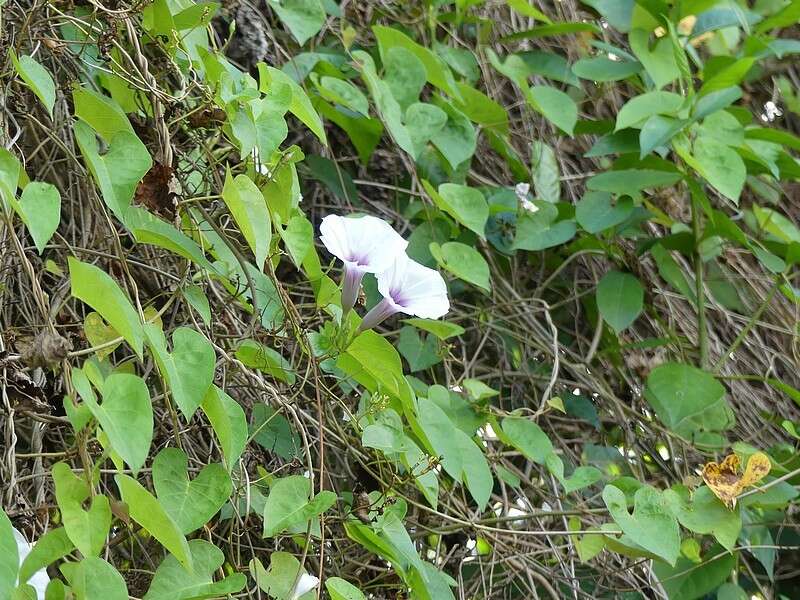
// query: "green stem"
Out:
[702,327]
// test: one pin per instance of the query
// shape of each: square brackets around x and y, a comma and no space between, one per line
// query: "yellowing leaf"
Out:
[725,481]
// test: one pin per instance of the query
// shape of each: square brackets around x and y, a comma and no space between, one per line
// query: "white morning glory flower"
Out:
[365,245]
[38,580]
[305,584]
[411,288]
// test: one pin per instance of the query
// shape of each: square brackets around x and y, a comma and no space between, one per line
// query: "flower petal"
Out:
[415,288]
[368,242]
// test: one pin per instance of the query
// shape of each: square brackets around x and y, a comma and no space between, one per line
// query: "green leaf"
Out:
[345,93]
[457,140]
[9,556]
[126,416]
[419,354]
[651,525]
[37,78]
[40,210]
[728,77]
[463,261]
[300,105]
[272,430]
[197,299]
[525,9]
[304,18]
[190,504]
[437,71]
[188,369]
[595,213]
[98,290]
[721,166]
[527,437]
[706,514]
[258,356]
[229,423]
[620,299]
[671,272]
[10,169]
[100,112]
[544,167]
[631,181]
[602,68]
[405,76]
[173,582]
[581,477]
[249,210]
[731,591]
[149,229]
[288,504]
[555,105]
[657,131]
[372,361]
[280,578]
[119,169]
[441,329]
[148,512]
[461,458]
[659,62]
[53,545]
[86,529]
[423,121]
[538,230]
[688,400]
[465,204]
[642,107]
[339,589]
[481,109]
[94,578]
[689,581]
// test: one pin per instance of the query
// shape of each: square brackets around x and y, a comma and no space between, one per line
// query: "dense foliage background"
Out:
[609,409]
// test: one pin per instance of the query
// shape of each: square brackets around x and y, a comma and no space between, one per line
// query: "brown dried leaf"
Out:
[155,191]
[724,479]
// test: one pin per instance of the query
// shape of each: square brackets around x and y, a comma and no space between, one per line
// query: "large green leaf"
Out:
[174,582]
[258,356]
[273,432]
[94,287]
[620,299]
[545,171]
[595,212]
[249,210]
[639,108]
[9,556]
[280,579]
[688,400]
[39,207]
[457,139]
[119,169]
[631,181]
[126,416]
[148,512]
[87,529]
[706,514]
[149,229]
[188,369]
[49,548]
[10,169]
[288,504]
[229,422]
[340,589]
[37,78]
[462,459]
[463,261]
[191,504]
[93,578]
[651,526]
[659,60]
[689,581]
[466,205]
[555,105]
[527,437]
[304,18]
[721,166]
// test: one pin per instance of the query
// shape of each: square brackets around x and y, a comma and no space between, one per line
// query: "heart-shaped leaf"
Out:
[288,504]
[191,504]
[100,335]
[173,582]
[188,369]
[86,529]
[652,524]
